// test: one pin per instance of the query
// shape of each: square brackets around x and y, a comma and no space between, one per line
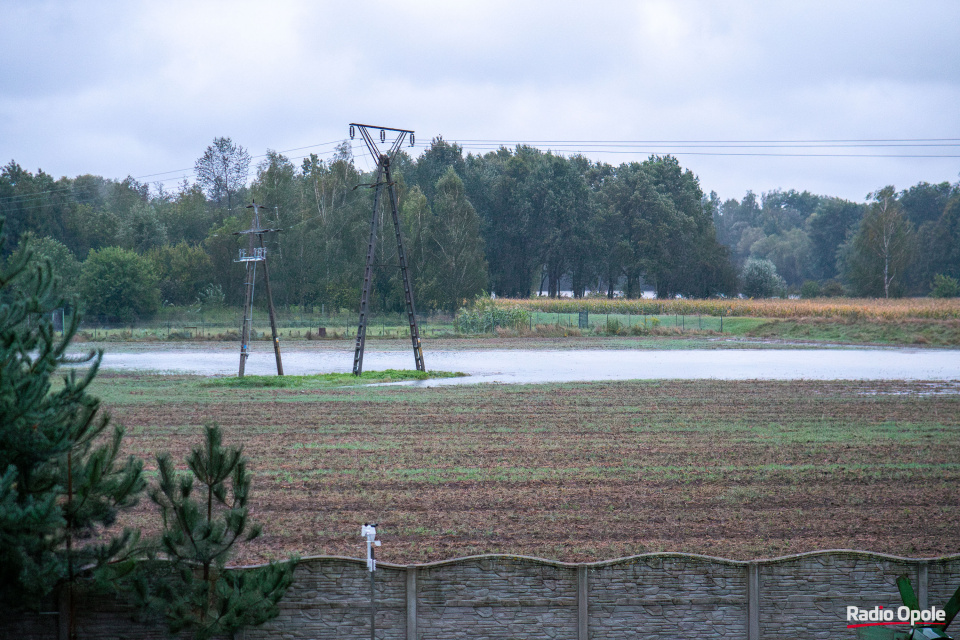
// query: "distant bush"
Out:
[944,287]
[486,316]
[639,327]
[645,326]
[811,289]
[117,282]
[211,297]
[487,320]
[759,279]
[832,289]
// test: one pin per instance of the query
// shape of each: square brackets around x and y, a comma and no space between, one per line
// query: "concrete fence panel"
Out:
[659,595]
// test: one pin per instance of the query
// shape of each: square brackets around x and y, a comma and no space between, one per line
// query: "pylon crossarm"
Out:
[257,231]
[372,147]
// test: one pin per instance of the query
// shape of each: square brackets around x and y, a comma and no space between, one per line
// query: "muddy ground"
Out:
[576,472]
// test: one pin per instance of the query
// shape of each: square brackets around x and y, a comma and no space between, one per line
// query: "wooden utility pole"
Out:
[253,255]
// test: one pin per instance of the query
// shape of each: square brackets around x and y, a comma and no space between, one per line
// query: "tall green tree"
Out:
[183,271]
[277,187]
[434,163]
[187,216]
[141,228]
[62,480]
[324,240]
[222,246]
[34,203]
[222,171]
[735,217]
[64,266]
[829,226]
[455,269]
[417,218]
[789,251]
[120,284]
[783,211]
[501,187]
[205,516]
[925,202]
[692,260]
[560,197]
[938,248]
[668,238]
[646,219]
[882,248]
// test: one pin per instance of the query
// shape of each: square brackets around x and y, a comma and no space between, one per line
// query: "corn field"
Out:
[836,308]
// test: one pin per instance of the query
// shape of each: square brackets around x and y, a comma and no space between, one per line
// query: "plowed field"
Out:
[576,472]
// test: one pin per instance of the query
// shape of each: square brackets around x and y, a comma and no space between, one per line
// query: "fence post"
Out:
[63,614]
[583,604]
[411,603]
[923,577]
[753,601]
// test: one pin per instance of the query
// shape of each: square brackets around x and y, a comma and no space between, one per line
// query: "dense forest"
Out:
[513,222]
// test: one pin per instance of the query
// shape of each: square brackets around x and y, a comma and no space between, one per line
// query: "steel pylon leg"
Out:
[367,278]
[407,288]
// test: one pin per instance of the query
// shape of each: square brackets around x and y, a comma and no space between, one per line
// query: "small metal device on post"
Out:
[369,531]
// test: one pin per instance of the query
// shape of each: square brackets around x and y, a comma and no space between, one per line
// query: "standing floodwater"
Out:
[517,366]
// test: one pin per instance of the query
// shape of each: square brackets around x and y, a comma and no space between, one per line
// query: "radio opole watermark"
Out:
[901,615]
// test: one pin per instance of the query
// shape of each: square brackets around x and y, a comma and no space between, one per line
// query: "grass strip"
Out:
[322,380]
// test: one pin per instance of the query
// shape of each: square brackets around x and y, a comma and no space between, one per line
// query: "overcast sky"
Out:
[140,88]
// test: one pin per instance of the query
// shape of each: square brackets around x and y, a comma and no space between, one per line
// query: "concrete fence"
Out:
[660,595]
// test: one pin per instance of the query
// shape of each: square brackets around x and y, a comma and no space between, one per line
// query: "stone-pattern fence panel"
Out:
[659,595]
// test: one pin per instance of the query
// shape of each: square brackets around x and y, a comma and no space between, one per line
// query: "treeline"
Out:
[513,222]
[895,244]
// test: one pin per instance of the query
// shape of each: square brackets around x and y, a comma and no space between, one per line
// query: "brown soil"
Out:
[587,471]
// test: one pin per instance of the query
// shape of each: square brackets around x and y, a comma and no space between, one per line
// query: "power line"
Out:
[674,152]
[712,142]
[10,199]
[615,147]
[30,200]
[37,195]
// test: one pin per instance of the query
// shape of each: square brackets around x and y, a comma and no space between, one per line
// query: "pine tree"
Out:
[201,529]
[61,484]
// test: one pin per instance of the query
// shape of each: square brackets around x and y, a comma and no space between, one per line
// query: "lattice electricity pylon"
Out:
[384,179]
[252,256]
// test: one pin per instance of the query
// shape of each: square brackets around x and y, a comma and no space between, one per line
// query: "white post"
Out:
[369,531]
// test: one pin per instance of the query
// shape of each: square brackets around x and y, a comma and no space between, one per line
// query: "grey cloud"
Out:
[118,88]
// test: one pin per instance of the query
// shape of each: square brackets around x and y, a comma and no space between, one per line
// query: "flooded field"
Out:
[519,366]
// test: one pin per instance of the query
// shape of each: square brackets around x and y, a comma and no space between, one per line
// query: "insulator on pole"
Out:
[411,138]
[352,132]
[383,135]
